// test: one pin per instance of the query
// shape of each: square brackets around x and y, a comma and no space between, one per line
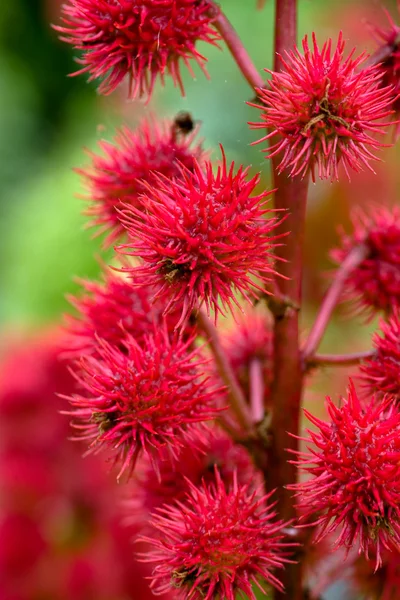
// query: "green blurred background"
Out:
[46,118]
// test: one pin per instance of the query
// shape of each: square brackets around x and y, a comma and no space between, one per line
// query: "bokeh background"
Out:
[48,118]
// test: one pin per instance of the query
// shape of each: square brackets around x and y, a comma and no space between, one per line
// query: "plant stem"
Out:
[338,360]
[285,28]
[237,399]
[256,391]
[382,54]
[238,51]
[286,392]
[352,260]
[287,384]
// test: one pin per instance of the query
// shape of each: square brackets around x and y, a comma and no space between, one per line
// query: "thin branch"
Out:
[352,260]
[256,391]
[237,399]
[338,360]
[238,51]
[382,54]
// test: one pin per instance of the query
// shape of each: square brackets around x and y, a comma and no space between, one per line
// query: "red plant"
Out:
[375,282]
[324,110]
[195,463]
[141,39]
[388,55]
[201,238]
[112,311]
[355,483]
[380,373]
[117,177]
[217,543]
[146,398]
[198,241]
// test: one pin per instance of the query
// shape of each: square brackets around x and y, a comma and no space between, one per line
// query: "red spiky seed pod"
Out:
[116,176]
[141,40]
[196,463]
[324,110]
[201,238]
[149,398]
[388,57]
[375,283]
[354,488]
[381,373]
[217,543]
[113,310]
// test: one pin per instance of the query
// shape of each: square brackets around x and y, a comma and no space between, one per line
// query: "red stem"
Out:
[286,392]
[238,51]
[382,54]
[339,360]
[285,28]
[237,399]
[352,260]
[256,391]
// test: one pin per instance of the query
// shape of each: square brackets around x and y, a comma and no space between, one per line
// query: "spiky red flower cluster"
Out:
[375,283]
[113,310]
[201,238]
[355,466]
[116,177]
[197,462]
[217,543]
[139,39]
[381,373]
[324,110]
[147,398]
[390,64]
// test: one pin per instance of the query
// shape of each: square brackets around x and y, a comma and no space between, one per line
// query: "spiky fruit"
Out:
[112,310]
[388,58]
[196,463]
[201,238]
[375,283]
[217,543]
[381,373]
[324,110]
[146,398]
[141,40]
[117,176]
[354,463]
